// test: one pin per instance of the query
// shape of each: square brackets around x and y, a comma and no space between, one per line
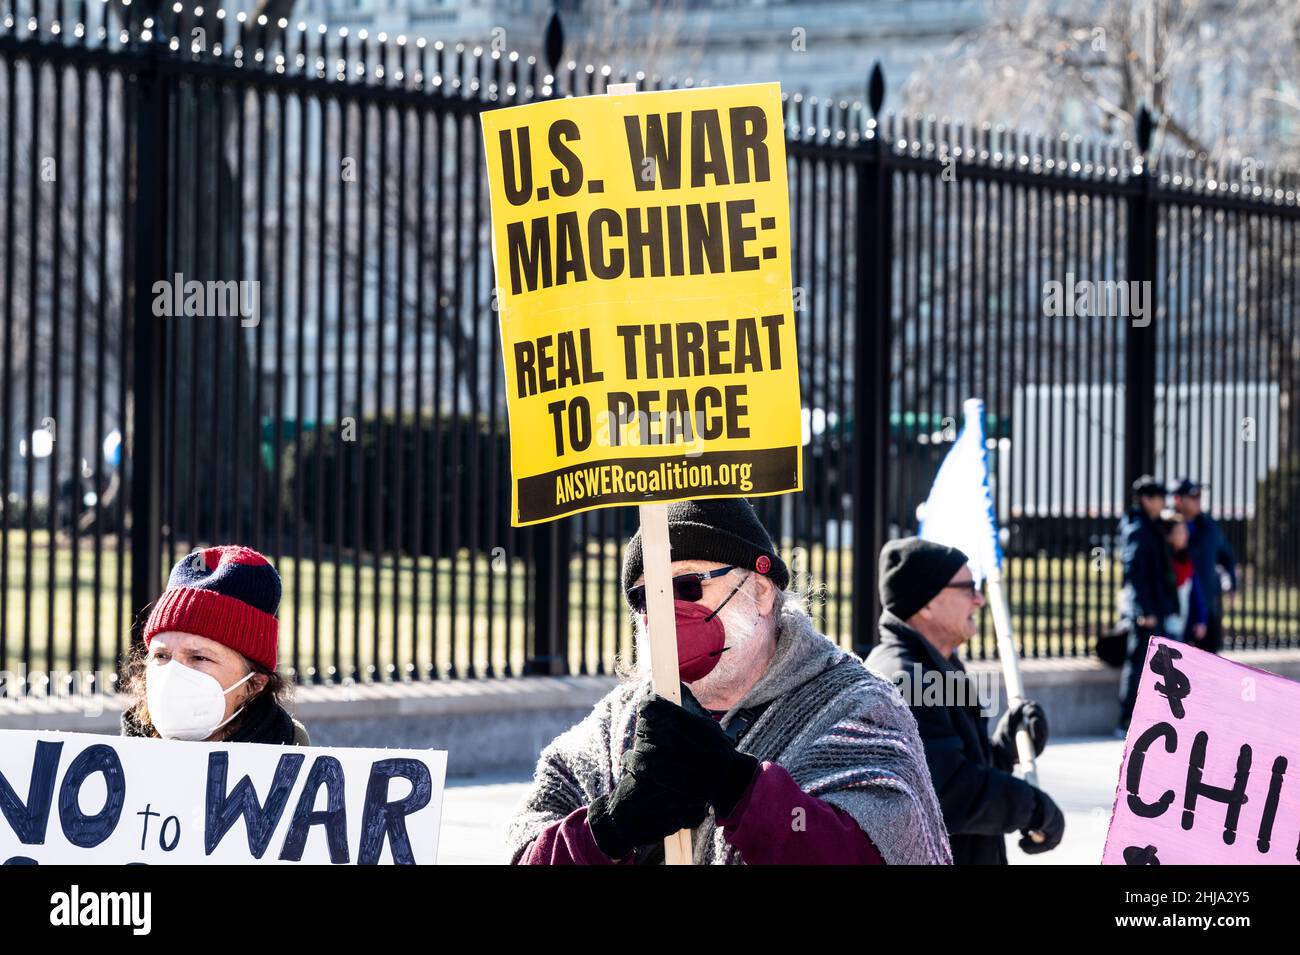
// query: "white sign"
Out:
[80,798]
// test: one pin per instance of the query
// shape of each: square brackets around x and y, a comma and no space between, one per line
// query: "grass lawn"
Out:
[469,614]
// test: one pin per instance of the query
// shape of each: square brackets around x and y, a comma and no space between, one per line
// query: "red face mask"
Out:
[701,639]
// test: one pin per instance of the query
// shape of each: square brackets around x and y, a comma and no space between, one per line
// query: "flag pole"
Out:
[1011,677]
[1010,669]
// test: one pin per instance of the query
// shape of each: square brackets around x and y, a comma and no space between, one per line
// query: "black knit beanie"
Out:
[913,571]
[723,529]
[1148,486]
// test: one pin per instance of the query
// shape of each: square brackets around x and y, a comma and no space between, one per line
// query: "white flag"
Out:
[959,510]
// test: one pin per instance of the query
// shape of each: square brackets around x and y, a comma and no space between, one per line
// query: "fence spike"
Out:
[876,89]
[554,41]
[1144,128]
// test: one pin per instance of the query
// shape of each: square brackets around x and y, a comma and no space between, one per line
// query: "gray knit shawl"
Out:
[842,731]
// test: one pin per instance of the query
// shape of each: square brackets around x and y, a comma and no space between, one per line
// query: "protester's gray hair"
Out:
[788,597]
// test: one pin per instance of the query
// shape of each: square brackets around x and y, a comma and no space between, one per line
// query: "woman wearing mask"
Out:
[205,669]
[1189,624]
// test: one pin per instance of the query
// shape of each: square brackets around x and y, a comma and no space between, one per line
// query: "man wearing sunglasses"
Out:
[786,749]
[931,607]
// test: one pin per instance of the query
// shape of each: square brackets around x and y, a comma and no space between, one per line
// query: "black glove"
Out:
[1031,716]
[640,812]
[689,754]
[1048,820]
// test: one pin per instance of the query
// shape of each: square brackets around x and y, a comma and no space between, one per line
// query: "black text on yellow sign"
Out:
[642,251]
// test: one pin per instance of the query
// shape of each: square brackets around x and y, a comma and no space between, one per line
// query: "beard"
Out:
[747,636]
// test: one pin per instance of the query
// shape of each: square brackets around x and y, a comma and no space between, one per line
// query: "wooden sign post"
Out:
[662,624]
[661,621]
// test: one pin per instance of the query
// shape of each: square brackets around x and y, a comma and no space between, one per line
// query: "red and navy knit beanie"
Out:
[228,594]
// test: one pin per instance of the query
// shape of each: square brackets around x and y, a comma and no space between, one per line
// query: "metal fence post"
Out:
[1140,341]
[548,651]
[147,200]
[873,240]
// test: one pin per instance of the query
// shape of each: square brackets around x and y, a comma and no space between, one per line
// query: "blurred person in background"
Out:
[1212,557]
[1148,597]
[1188,624]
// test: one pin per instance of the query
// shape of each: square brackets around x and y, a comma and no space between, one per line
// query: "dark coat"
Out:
[980,798]
[1148,577]
[1210,551]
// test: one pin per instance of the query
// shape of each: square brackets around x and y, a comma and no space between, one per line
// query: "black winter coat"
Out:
[1148,576]
[980,798]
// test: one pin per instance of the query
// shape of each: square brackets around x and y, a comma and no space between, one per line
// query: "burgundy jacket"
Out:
[759,828]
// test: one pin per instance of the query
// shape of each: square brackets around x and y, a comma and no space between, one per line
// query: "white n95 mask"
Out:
[185,703]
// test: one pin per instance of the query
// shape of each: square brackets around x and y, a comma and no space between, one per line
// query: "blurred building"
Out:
[820,47]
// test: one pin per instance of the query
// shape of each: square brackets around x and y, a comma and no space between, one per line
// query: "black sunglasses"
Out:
[688,587]
[970,585]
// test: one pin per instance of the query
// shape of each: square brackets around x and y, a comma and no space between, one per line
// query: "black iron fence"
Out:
[248,297]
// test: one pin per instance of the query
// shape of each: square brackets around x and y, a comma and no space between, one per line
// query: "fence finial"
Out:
[1145,125]
[554,41]
[876,89]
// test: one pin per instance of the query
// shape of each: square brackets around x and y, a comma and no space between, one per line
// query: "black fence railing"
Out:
[247,296]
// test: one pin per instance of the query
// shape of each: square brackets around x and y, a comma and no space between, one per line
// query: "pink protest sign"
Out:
[1211,771]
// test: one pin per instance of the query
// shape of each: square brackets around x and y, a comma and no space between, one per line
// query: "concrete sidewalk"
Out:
[1080,774]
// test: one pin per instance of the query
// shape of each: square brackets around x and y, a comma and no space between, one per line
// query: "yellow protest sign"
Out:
[642,252]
